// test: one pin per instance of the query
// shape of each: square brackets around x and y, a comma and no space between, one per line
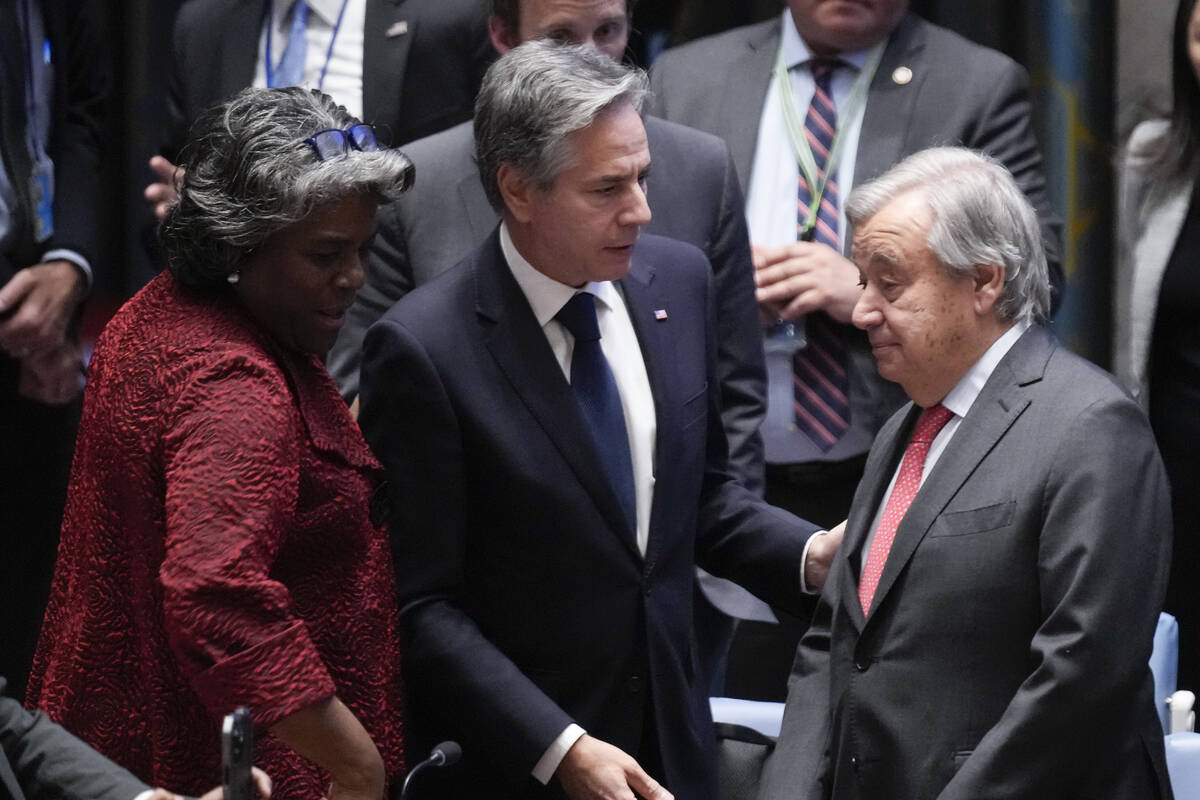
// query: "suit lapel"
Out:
[890,104]
[519,346]
[1003,399]
[744,93]
[387,38]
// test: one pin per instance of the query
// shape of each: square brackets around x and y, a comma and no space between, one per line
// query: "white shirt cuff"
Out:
[804,560]
[544,769]
[144,795]
[80,263]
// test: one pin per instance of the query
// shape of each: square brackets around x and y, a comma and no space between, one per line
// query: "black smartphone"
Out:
[237,755]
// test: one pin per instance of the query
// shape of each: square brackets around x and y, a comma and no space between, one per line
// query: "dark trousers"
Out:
[761,657]
[36,446]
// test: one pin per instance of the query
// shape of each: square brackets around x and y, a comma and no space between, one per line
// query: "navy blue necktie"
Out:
[596,390]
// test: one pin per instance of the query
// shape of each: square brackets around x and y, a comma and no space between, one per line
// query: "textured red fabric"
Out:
[908,481]
[216,551]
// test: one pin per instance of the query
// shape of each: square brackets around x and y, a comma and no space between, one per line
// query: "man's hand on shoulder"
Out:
[595,770]
[164,192]
[801,277]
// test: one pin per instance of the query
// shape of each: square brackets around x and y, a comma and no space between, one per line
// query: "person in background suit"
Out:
[42,759]
[986,626]
[547,416]
[695,198]
[409,68]
[921,85]
[54,89]
[1156,328]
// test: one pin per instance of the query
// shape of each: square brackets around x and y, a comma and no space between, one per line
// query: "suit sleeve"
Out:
[1106,522]
[408,419]
[47,761]
[389,277]
[1004,130]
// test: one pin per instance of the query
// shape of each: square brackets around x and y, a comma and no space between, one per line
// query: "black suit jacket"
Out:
[415,83]
[525,602]
[41,759]
[1005,653]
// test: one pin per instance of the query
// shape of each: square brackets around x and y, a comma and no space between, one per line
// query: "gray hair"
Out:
[249,172]
[980,216]
[537,94]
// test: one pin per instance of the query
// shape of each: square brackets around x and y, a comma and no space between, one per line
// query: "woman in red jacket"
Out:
[218,548]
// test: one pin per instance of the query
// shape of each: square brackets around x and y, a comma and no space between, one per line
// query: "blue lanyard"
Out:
[268,22]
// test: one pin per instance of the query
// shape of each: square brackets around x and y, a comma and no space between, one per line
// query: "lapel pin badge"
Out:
[397,29]
[902,75]
[660,314]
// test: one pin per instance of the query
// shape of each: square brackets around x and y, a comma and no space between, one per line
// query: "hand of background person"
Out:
[802,277]
[53,377]
[820,555]
[36,306]
[261,781]
[595,770]
[163,193]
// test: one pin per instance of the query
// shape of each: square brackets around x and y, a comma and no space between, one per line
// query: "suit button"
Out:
[861,665]
[854,763]
[634,684]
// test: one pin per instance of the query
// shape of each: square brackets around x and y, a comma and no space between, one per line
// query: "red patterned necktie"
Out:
[821,385]
[932,420]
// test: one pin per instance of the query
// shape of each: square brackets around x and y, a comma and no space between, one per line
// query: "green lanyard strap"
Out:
[795,126]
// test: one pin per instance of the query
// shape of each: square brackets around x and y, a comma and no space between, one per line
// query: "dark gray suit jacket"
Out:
[694,197]
[41,759]
[1005,654]
[415,83]
[960,93]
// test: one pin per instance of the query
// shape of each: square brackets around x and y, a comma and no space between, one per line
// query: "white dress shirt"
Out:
[619,342]
[775,175]
[958,400]
[343,77]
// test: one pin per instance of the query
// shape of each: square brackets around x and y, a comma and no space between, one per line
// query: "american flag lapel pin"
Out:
[660,314]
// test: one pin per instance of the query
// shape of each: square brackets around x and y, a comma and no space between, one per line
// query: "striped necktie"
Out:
[821,381]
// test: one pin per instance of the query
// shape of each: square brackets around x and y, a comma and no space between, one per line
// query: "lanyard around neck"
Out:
[795,126]
[269,22]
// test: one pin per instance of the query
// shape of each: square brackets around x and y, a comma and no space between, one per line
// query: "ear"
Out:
[502,38]
[517,191]
[989,287]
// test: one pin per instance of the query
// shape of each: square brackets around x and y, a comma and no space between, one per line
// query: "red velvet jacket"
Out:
[216,551]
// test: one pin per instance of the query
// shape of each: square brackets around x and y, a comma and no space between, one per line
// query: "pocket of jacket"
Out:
[975,520]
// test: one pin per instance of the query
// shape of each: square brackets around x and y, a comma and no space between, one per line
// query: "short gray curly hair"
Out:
[537,94]
[248,172]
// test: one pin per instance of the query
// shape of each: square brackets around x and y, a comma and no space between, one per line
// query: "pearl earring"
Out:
[233,277]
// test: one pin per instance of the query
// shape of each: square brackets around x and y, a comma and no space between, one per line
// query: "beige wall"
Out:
[1143,61]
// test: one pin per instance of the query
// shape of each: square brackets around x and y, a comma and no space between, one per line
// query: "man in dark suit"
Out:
[695,198]
[986,627]
[54,86]
[42,759]
[921,85]
[417,73]
[547,415]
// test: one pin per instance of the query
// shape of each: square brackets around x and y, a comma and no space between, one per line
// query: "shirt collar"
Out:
[546,296]
[327,10]
[796,52]
[966,391]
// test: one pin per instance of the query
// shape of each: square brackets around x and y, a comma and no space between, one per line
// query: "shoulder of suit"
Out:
[944,43]
[708,53]
[664,249]
[661,133]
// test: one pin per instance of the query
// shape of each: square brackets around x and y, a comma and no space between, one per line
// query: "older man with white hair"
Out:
[985,629]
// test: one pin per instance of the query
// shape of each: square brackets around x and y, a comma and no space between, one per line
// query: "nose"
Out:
[353,275]
[638,212]
[866,313]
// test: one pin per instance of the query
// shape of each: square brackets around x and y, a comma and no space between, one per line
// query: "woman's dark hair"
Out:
[249,171]
[1173,161]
